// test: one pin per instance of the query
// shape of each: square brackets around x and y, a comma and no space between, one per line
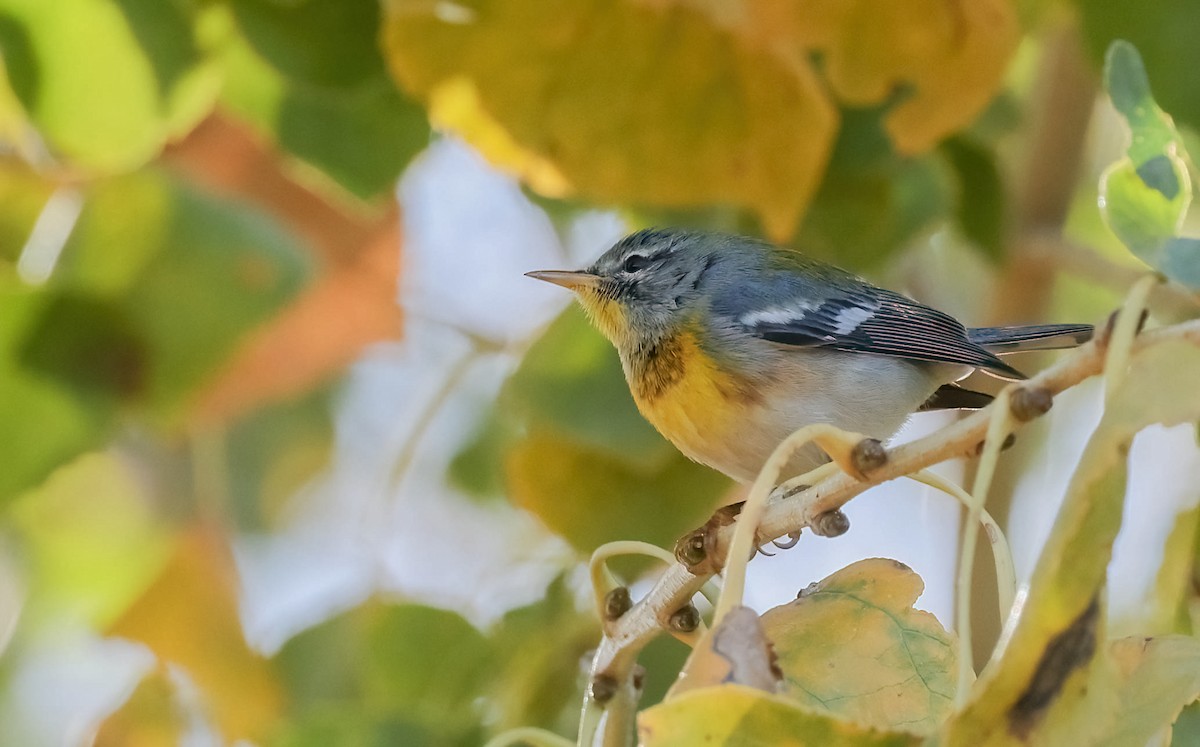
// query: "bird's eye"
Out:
[635,263]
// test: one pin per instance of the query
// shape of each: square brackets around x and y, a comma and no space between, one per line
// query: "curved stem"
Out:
[1120,344]
[602,580]
[998,429]
[834,441]
[1006,577]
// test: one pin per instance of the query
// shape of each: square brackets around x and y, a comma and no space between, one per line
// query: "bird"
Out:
[729,344]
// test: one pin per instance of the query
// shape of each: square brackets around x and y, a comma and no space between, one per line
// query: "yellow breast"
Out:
[680,389]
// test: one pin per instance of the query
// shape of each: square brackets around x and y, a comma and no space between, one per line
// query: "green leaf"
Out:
[330,43]
[382,671]
[107,82]
[360,134]
[90,541]
[43,423]
[76,327]
[1173,587]
[421,675]
[189,274]
[1049,681]
[589,497]
[352,725]
[980,208]
[531,686]
[1145,196]
[1159,677]
[575,451]
[1138,213]
[1186,729]
[571,378]
[478,468]
[853,646]
[153,291]
[871,200]
[1181,260]
[432,661]
[737,715]
[272,452]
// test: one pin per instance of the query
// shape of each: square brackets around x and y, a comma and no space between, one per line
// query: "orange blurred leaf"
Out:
[188,616]
[318,335]
[351,305]
[150,718]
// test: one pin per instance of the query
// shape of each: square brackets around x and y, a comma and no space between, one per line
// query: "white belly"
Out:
[867,394]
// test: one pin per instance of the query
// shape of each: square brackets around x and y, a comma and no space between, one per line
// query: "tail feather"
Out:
[1017,339]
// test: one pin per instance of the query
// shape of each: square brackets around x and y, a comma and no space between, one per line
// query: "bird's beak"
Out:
[567,279]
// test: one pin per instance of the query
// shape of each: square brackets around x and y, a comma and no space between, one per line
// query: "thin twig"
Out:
[999,426]
[1006,580]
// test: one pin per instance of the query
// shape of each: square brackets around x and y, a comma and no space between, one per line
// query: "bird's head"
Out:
[644,287]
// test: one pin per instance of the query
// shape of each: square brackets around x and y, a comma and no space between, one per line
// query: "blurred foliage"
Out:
[567,411]
[198,235]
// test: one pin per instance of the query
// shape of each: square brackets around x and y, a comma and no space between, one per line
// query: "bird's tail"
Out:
[1002,340]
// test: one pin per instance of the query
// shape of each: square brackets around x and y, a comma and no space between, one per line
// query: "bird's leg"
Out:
[726,514]
[782,493]
[696,548]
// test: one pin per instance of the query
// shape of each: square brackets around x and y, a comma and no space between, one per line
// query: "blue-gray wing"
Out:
[873,320]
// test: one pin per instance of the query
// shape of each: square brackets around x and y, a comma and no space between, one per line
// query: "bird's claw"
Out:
[792,539]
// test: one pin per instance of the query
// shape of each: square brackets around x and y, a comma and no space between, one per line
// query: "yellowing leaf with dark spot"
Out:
[735,652]
[189,617]
[854,647]
[589,497]
[739,716]
[1049,684]
[620,102]
[1159,677]
[150,718]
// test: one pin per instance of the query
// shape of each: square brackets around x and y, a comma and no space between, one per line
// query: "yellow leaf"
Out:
[736,716]
[150,718]
[621,102]
[92,541]
[1159,676]
[942,60]
[853,646]
[188,616]
[945,58]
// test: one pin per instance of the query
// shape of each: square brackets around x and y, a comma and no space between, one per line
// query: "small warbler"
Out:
[730,344]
